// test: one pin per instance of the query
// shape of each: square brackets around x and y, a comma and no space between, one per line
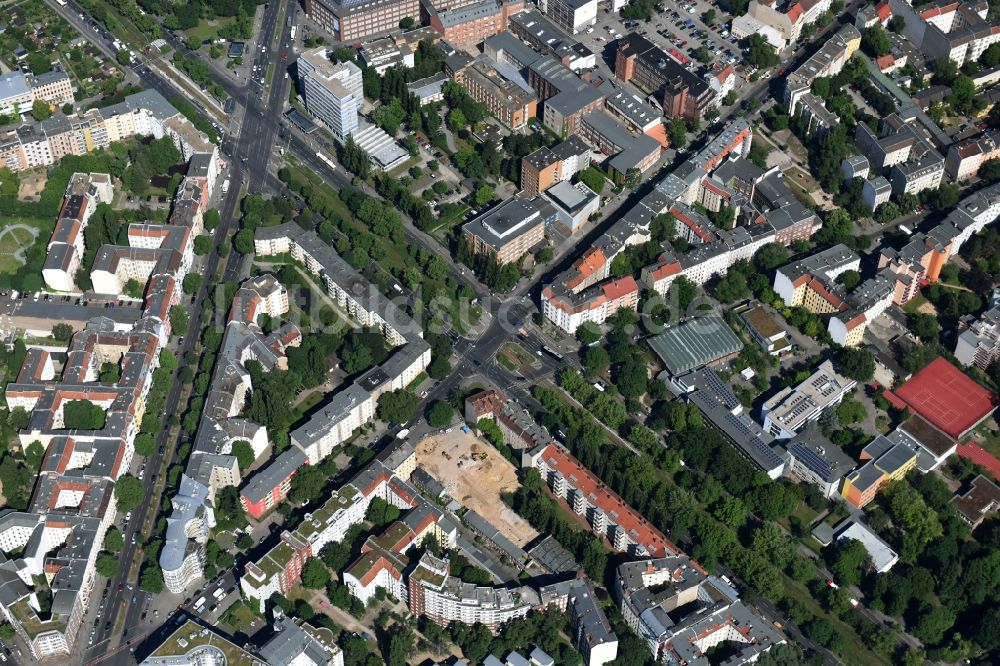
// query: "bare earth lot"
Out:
[475,474]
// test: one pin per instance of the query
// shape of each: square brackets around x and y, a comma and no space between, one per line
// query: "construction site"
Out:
[475,475]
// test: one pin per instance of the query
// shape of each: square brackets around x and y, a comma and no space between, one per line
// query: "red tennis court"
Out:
[943,395]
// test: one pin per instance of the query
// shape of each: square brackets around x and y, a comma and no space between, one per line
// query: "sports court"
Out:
[943,395]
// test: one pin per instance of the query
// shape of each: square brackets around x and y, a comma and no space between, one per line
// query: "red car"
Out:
[284,55]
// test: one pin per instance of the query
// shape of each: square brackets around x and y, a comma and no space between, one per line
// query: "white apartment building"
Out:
[433,592]
[333,92]
[979,343]
[790,410]
[573,16]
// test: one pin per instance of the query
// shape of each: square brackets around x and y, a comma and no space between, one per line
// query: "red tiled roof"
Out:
[883,11]
[614,507]
[620,288]
[885,62]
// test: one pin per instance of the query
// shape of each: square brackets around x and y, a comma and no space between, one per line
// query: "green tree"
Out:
[381,513]
[770,257]
[631,378]
[484,194]
[244,453]
[596,359]
[440,414]
[113,540]
[62,332]
[761,53]
[211,219]
[40,110]
[107,565]
[678,133]
[178,320]
[314,574]
[128,493]
[933,622]
[243,241]
[307,484]
[18,418]
[456,120]
[849,279]
[83,415]
[875,42]
[33,456]
[202,245]
[192,283]
[848,560]
[144,444]
[397,406]
[134,288]
[857,364]
[924,326]
[152,579]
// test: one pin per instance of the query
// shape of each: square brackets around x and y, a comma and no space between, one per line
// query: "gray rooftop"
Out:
[695,343]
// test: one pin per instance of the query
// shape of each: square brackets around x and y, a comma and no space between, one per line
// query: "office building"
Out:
[979,342]
[790,410]
[779,21]
[592,632]
[683,94]
[814,459]
[980,500]
[876,192]
[434,593]
[573,204]
[959,31]
[573,16]
[724,412]
[965,157]
[884,461]
[507,98]
[547,166]
[506,231]
[332,92]
[467,24]
[519,430]
[353,20]
[681,612]
[542,35]
[608,514]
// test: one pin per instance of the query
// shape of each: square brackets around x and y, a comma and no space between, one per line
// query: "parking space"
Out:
[681,30]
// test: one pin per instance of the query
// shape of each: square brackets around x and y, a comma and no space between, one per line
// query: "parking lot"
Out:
[679,29]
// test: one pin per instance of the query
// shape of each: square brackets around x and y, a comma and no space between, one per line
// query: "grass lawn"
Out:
[914,305]
[320,189]
[311,401]
[401,170]
[269,76]
[417,381]
[446,225]
[506,362]
[990,440]
[14,239]
[520,352]
[855,652]
[204,30]
[240,617]
[805,513]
